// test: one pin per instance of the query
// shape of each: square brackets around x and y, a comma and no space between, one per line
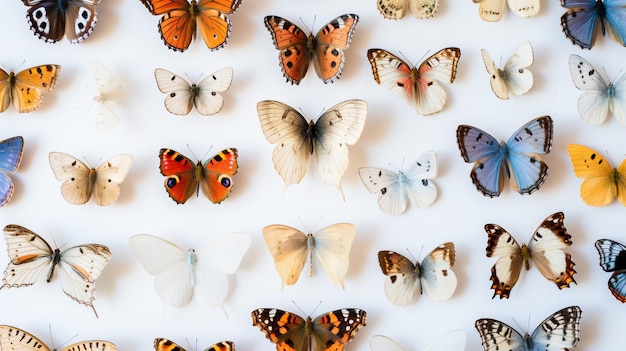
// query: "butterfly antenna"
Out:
[522,328]
[64,343]
[413,63]
[191,347]
[310,30]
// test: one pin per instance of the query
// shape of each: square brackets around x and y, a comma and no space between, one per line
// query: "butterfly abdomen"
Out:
[56,258]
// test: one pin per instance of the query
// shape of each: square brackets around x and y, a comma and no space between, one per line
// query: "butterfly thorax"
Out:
[528,343]
[310,243]
[503,152]
[62,4]
[56,258]
[199,174]
[526,255]
[192,258]
[311,136]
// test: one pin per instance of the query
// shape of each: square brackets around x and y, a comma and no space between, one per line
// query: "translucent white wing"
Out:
[208,100]
[110,88]
[16,339]
[29,256]
[383,343]
[109,175]
[76,176]
[438,280]
[179,99]
[332,249]
[514,78]
[452,341]
[289,249]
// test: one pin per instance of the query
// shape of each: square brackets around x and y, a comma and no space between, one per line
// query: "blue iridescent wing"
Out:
[579,21]
[484,150]
[558,332]
[498,336]
[613,259]
[10,158]
[616,20]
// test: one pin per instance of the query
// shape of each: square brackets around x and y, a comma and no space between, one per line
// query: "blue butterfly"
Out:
[613,259]
[518,159]
[580,20]
[10,157]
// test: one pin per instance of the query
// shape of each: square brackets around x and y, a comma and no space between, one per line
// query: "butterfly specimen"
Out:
[109,89]
[81,182]
[418,85]
[559,332]
[182,19]
[325,49]
[434,275]
[296,139]
[162,344]
[180,274]
[26,88]
[183,177]
[603,183]
[30,255]
[11,151]
[580,21]
[290,332]
[514,78]
[396,9]
[452,341]
[205,96]
[600,96]
[16,339]
[50,20]
[492,10]
[613,259]
[396,190]
[545,250]
[290,248]
[518,159]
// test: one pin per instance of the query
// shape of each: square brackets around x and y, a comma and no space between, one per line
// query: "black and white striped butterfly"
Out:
[16,339]
[50,20]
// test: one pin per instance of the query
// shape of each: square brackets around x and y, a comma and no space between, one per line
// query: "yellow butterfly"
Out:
[603,183]
[26,88]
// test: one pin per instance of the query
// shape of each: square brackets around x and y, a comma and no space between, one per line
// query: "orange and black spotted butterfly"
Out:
[183,177]
[162,344]
[25,88]
[181,20]
[325,48]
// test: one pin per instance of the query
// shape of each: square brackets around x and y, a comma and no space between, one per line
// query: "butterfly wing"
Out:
[11,151]
[613,259]
[212,21]
[496,335]
[332,249]
[289,248]
[438,279]
[484,150]
[294,53]
[180,175]
[29,255]
[615,24]
[506,271]
[579,22]
[179,99]
[91,345]
[403,281]
[177,26]
[218,172]
[31,83]
[333,330]
[560,331]
[392,9]
[285,329]
[331,40]
[524,8]
[514,77]
[383,343]
[16,339]
[491,10]
[162,344]
[452,341]
[49,21]
[110,88]
[109,175]
[208,100]
[78,179]
[594,102]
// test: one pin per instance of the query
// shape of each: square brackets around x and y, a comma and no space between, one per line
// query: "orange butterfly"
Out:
[178,24]
[325,48]
[26,88]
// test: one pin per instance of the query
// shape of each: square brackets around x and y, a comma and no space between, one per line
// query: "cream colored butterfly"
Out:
[16,339]
[514,77]
[291,247]
[396,9]
[110,89]
[492,10]
[80,181]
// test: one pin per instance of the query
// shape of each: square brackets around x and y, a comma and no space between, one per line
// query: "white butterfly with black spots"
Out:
[514,77]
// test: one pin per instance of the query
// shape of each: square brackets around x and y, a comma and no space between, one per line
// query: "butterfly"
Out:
[433,276]
[418,85]
[290,248]
[545,249]
[492,10]
[560,331]
[11,151]
[26,88]
[81,182]
[600,96]
[327,138]
[180,274]
[613,259]
[517,160]
[515,77]
[184,178]
[162,344]
[396,9]
[109,89]
[50,20]
[452,341]
[395,190]
[602,183]
[582,16]
[290,332]
[30,255]
[182,19]
[16,339]
[325,49]
[181,95]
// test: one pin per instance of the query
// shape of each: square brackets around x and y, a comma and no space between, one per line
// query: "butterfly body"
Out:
[162,344]
[25,88]
[50,20]
[613,259]
[11,151]
[514,77]
[580,21]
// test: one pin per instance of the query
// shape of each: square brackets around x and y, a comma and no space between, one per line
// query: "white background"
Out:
[131,315]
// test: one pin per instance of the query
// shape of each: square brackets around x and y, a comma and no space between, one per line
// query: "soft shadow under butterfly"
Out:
[418,85]
[545,250]
[180,274]
[109,89]
[205,96]
[517,160]
[493,10]
[613,259]
[560,331]
[325,49]
[162,344]
[296,139]
[184,177]
[26,88]
[81,182]
[452,341]
[290,248]
[30,255]
[514,77]
[16,339]
[11,151]
[330,331]
[50,20]
[396,9]
[181,21]
[580,21]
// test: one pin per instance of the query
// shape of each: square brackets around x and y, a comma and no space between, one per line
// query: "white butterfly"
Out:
[452,341]
[30,255]
[327,138]
[560,331]
[492,10]
[291,247]
[16,339]
[600,96]
[433,276]
[110,88]
[396,9]
[545,249]
[181,273]
[515,78]
[395,190]
[80,181]
[181,95]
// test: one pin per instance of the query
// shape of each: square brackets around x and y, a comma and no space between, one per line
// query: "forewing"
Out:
[594,102]
[560,331]
[579,22]
[332,330]
[497,76]
[519,79]
[294,54]
[498,336]
[438,280]
[209,101]
[484,150]
[403,281]
[332,249]
[218,172]
[29,255]
[76,176]
[506,271]
[5,90]
[392,192]
[527,170]
[289,249]
[16,339]
[109,175]
[31,83]
[179,99]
